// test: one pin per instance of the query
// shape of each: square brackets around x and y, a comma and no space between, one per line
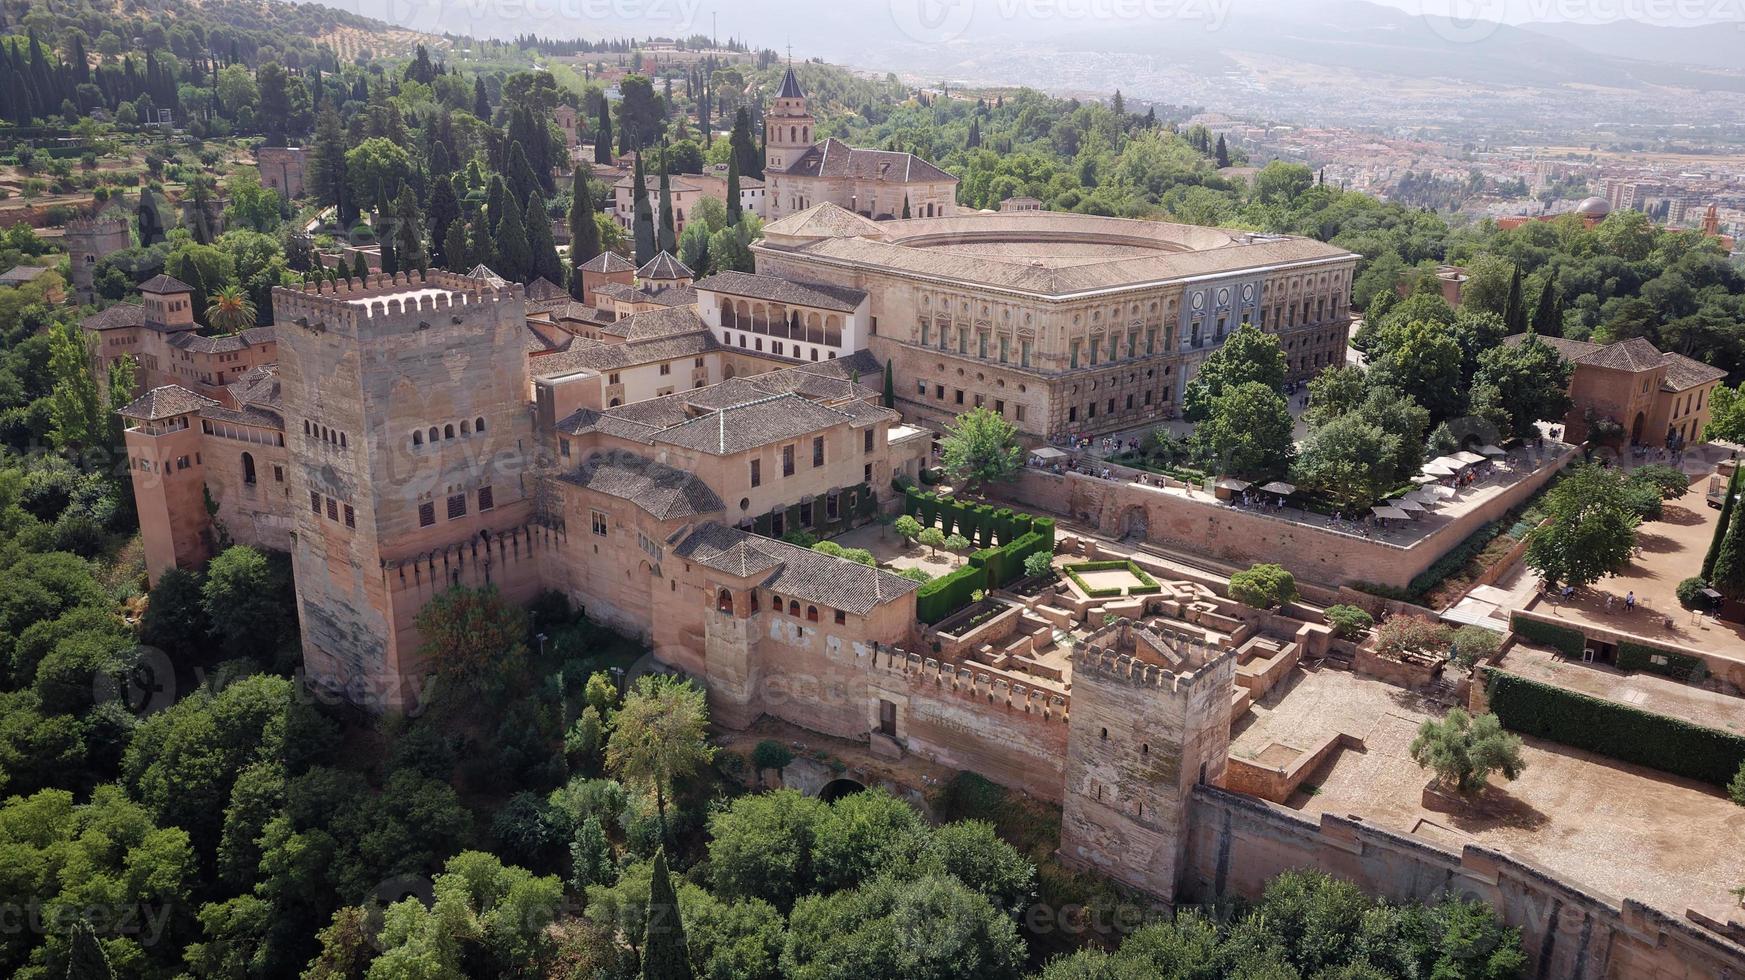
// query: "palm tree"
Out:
[230,310]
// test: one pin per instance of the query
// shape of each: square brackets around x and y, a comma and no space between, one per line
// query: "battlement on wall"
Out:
[929,675]
[96,226]
[346,305]
[501,549]
[1120,650]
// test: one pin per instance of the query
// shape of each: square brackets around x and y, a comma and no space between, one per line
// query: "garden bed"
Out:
[1111,579]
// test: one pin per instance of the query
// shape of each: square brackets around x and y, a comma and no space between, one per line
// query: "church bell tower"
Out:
[788,125]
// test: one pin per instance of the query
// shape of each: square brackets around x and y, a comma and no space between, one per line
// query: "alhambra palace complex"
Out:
[643,450]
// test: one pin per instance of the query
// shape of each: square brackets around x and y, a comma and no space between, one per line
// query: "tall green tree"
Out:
[1734,487]
[85,957]
[584,228]
[1532,381]
[514,254]
[328,177]
[540,243]
[659,737]
[1515,307]
[409,232]
[669,239]
[1350,460]
[444,212]
[743,147]
[75,410]
[603,134]
[1246,433]
[1548,314]
[1246,355]
[642,223]
[981,447]
[664,952]
[732,189]
[1591,530]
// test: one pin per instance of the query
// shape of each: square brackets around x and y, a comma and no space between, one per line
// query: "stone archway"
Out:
[837,788]
[1135,524]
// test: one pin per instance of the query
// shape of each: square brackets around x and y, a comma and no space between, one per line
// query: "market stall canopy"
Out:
[1407,504]
[1441,467]
[1279,487]
[1467,459]
[1492,451]
[1439,492]
[1233,484]
[1390,513]
[1047,454]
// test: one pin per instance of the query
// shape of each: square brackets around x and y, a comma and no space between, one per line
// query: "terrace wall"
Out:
[1236,843]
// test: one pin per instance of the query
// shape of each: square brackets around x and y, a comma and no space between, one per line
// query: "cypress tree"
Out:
[732,190]
[481,104]
[603,134]
[1548,315]
[643,224]
[444,212]
[669,239]
[408,233]
[514,254]
[85,957]
[664,956]
[905,205]
[454,247]
[584,229]
[386,233]
[1222,153]
[1514,309]
[1714,552]
[546,264]
[151,227]
[1727,576]
[522,179]
[890,387]
[360,268]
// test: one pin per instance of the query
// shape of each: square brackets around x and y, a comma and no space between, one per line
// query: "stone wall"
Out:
[1200,525]
[1237,843]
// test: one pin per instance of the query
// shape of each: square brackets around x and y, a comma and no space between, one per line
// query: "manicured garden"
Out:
[1111,579]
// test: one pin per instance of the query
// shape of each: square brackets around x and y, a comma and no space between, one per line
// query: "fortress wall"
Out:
[1237,843]
[1202,525]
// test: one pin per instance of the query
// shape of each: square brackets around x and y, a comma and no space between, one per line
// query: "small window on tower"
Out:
[426,514]
[457,505]
[486,500]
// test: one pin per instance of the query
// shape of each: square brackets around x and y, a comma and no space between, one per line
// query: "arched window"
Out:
[479,424]
[466,427]
[811,614]
[448,431]
[743,319]
[248,469]
[417,438]
[760,319]
[724,601]
[793,609]
[614,403]
[833,331]
[793,133]
[794,328]
[814,329]
[729,320]
[433,434]
[342,440]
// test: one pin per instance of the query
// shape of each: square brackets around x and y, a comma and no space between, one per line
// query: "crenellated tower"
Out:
[1150,719]
[409,437]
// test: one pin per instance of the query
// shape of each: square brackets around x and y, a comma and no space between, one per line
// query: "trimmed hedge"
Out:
[1004,540]
[1147,585]
[1565,640]
[1617,731]
[1639,656]
[947,594]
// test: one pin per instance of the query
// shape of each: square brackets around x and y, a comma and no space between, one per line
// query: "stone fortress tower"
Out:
[789,125]
[1150,720]
[89,239]
[405,410]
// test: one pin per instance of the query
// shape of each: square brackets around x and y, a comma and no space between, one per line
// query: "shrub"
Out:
[1263,586]
[1349,622]
[1567,641]
[1690,593]
[1470,644]
[770,754]
[1405,634]
[1615,730]
[1668,482]
[1463,750]
[1039,563]
[907,526]
[1736,788]
[1654,660]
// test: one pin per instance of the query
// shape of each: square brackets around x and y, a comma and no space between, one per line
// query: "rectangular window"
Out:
[806,512]
[315,502]
[832,507]
[1024,353]
[939,392]
[757,472]
[868,441]
[841,617]
[787,460]
[926,333]
[487,499]
[612,378]
[278,474]
[599,522]
[1072,413]
[666,369]
[332,509]
[920,387]
[867,471]
[350,516]
[999,407]
[1018,410]
[697,363]
[457,505]
[426,514]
